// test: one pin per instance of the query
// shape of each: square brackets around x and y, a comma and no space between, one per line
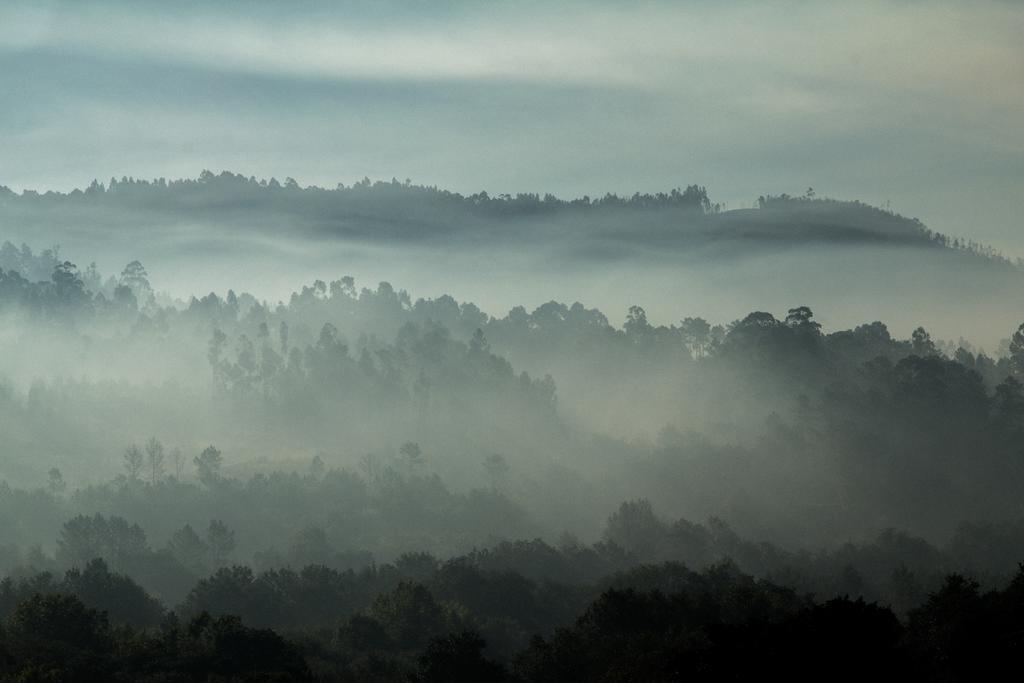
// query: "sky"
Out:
[914,105]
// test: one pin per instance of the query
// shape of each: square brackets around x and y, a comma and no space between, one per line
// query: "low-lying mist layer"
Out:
[790,432]
[678,253]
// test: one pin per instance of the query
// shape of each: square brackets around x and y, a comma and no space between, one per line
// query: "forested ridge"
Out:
[681,218]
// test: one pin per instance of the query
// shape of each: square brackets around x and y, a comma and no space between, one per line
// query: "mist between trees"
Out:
[368,474]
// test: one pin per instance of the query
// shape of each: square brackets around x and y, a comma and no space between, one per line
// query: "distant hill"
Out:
[681,219]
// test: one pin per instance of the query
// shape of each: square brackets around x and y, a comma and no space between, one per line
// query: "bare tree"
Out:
[155,459]
[497,470]
[178,460]
[133,462]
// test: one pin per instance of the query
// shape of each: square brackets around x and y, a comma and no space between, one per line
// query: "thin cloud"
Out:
[933,48]
[921,102]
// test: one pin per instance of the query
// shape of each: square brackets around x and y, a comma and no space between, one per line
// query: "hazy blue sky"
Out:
[919,103]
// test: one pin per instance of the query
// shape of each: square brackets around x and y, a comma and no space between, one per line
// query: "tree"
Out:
[411,454]
[696,335]
[133,462]
[370,466]
[91,278]
[457,657]
[419,566]
[947,623]
[55,482]
[317,468]
[1016,349]
[478,345]
[189,549]
[178,460]
[922,344]
[135,278]
[364,634]
[282,334]
[411,615]
[801,319]
[497,469]
[757,331]
[1008,404]
[214,353]
[343,288]
[310,546]
[60,618]
[125,298]
[221,541]
[67,286]
[84,538]
[208,464]
[964,357]
[155,460]
[118,595]
[636,322]
[635,527]
[235,652]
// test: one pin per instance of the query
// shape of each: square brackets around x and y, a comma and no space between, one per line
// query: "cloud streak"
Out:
[934,48]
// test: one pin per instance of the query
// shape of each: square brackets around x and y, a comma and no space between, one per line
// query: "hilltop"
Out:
[681,218]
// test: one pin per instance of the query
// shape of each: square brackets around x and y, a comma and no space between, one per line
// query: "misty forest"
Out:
[525,342]
[362,483]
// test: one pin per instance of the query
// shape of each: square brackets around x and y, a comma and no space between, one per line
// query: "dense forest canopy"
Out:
[356,482]
[731,413]
[433,484]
